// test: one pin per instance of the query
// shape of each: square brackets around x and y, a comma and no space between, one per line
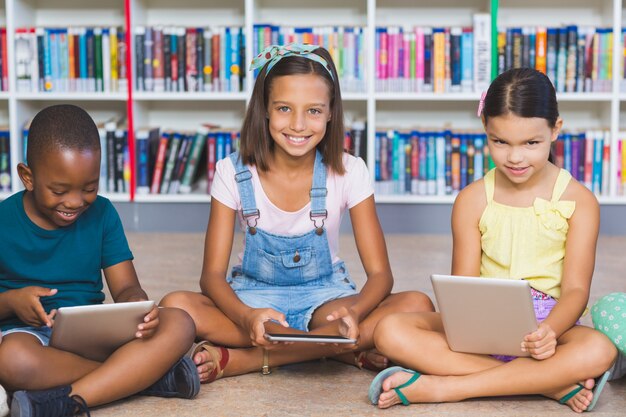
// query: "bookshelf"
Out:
[185,110]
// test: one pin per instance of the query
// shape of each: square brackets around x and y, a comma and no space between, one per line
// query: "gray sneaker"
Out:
[55,402]
[181,381]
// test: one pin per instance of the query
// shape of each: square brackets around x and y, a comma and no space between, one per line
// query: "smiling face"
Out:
[520,146]
[298,109]
[60,187]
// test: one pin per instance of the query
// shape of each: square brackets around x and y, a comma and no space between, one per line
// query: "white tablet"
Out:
[96,331]
[314,338]
[485,315]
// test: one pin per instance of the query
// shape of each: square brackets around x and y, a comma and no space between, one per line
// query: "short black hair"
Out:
[62,126]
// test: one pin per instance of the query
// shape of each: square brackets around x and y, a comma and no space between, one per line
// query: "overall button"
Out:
[252,230]
[319,231]
[296,257]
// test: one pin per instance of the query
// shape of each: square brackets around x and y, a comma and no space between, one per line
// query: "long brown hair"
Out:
[256,143]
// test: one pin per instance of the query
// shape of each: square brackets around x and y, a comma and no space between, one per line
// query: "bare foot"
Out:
[210,361]
[415,393]
[581,400]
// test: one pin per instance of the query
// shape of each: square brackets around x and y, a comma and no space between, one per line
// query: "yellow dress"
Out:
[526,242]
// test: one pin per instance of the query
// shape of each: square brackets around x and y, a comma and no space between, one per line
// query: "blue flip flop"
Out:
[597,390]
[377,384]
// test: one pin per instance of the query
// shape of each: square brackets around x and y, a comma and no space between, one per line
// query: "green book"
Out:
[196,150]
[97,32]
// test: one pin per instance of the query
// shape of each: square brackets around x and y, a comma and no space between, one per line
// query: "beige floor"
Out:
[168,262]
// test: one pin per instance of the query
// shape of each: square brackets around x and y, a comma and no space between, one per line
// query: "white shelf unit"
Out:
[185,111]
[23,106]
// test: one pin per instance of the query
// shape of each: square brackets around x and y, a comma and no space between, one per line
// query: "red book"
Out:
[5,62]
[159,163]
[210,160]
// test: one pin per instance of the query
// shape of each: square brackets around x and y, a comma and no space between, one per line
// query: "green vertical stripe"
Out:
[494,39]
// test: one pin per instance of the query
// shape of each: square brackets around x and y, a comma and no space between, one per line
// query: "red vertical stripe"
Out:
[129,101]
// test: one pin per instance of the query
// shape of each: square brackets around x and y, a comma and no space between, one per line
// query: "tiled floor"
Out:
[166,262]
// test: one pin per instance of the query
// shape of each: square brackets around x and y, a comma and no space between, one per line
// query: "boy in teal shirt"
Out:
[57,236]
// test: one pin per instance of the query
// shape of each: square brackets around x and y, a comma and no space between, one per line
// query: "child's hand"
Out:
[27,307]
[348,322]
[255,320]
[541,344]
[150,323]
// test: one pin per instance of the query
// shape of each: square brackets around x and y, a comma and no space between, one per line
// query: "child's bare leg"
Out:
[22,356]
[213,325]
[149,359]
[404,302]
[419,340]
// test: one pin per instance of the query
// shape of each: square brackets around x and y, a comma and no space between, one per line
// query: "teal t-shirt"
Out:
[69,259]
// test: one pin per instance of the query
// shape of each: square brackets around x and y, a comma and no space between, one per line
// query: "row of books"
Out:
[173,162]
[190,59]
[444,162]
[576,59]
[346,45]
[178,162]
[427,59]
[75,59]
[586,155]
[115,157]
[5,160]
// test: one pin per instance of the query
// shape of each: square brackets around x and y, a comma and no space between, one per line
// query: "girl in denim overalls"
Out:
[526,219]
[289,186]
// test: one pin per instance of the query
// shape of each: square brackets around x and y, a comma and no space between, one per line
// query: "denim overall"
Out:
[290,274]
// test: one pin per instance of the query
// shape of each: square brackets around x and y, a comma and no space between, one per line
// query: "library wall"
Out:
[168,84]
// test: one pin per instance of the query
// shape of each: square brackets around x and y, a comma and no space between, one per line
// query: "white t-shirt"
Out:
[344,191]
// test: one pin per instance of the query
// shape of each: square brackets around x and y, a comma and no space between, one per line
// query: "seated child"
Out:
[526,219]
[57,236]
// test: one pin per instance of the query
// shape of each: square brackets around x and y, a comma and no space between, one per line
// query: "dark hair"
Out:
[525,92]
[62,126]
[256,144]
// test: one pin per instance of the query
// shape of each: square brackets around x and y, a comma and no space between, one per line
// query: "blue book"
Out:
[448,161]
[467,60]
[82,59]
[423,157]
[377,140]
[464,162]
[440,160]
[431,164]
[598,147]
[142,140]
[567,154]
[479,161]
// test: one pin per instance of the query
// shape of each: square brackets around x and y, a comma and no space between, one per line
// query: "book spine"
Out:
[98,61]
[482,51]
[141,138]
[158,163]
[194,157]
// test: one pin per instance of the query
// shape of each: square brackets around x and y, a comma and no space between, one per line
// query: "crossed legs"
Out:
[418,342]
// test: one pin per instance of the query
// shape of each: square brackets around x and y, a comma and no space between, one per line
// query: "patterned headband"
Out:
[274,53]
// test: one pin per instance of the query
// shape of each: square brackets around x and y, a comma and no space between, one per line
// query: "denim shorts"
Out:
[42,333]
[543,305]
[296,302]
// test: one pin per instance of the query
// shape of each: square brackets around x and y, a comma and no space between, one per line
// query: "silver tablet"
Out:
[312,338]
[96,331]
[485,315]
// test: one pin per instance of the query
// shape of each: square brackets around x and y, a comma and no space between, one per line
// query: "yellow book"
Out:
[114,63]
[439,61]
[541,41]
